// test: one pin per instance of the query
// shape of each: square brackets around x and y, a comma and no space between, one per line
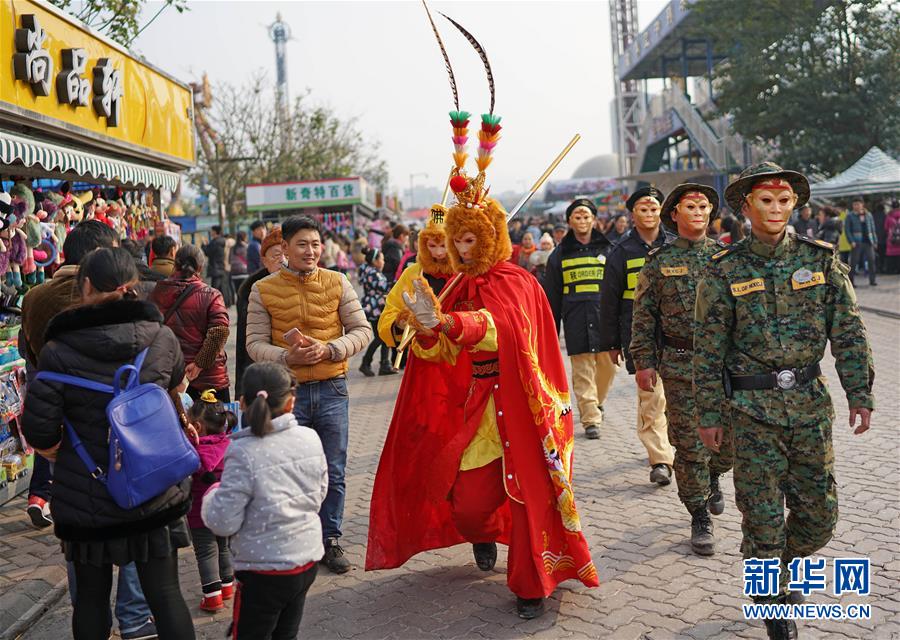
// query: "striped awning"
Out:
[30,152]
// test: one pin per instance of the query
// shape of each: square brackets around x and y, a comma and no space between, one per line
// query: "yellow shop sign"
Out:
[72,82]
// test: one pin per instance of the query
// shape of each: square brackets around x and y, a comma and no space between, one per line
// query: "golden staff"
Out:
[407,333]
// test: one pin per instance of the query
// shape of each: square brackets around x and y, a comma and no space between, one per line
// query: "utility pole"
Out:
[412,177]
[218,161]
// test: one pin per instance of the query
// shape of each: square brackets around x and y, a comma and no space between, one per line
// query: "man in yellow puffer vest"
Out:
[331,327]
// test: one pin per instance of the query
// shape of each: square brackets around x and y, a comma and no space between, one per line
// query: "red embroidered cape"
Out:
[410,512]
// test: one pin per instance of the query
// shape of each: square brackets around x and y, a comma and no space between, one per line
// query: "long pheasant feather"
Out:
[481,53]
[446,57]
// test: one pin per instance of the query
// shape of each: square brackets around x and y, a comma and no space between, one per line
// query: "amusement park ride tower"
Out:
[629,106]
[280,33]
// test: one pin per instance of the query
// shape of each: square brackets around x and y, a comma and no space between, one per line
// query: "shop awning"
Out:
[53,159]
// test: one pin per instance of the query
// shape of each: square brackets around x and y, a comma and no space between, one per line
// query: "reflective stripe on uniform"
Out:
[584,273]
[635,263]
[633,268]
[589,260]
[632,280]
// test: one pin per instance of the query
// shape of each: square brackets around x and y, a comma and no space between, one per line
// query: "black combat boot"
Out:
[716,501]
[703,543]
[780,629]
[386,369]
[529,608]
[661,474]
[366,369]
[485,555]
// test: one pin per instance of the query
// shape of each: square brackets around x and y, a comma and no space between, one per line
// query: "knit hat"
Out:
[272,239]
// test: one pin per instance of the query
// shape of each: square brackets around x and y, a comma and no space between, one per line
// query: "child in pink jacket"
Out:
[210,420]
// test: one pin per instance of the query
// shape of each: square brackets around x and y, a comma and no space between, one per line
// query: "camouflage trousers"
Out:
[774,466]
[693,462]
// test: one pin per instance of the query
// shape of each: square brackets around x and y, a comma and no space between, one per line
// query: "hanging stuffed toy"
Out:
[32,273]
[57,217]
[5,212]
[115,218]
[21,258]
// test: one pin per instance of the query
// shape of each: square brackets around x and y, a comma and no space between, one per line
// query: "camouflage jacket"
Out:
[664,305]
[761,308]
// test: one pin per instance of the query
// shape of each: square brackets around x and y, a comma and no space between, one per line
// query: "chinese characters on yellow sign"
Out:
[68,80]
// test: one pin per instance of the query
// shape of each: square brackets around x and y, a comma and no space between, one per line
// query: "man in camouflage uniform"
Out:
[765,310]
[662,340]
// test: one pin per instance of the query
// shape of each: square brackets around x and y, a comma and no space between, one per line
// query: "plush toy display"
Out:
[34,226]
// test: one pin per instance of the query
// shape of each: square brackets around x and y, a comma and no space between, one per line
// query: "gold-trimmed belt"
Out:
[486,368]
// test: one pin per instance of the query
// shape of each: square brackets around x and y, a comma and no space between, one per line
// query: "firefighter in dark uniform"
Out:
[572,282]
[623,264]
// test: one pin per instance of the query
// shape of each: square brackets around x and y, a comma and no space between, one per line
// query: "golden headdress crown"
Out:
[438,213]
[469,192]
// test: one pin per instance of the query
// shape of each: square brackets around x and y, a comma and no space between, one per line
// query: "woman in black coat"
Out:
[107,330]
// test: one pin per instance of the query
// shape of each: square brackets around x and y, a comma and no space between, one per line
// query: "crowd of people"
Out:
[264,504]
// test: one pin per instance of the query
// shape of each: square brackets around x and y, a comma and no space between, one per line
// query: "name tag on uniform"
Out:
[743,288]
[674,271]
[803,278]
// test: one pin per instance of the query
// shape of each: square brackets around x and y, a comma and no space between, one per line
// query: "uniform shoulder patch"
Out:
[821,244]
[658,250]
[721,254]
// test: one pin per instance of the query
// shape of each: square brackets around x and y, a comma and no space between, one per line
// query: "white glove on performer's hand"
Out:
[422,306]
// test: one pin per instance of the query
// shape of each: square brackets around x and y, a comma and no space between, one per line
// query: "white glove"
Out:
[422,306]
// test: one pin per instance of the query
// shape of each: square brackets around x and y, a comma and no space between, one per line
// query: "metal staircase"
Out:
[723,150]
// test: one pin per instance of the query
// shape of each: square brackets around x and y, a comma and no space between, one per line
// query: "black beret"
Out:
[644,192]
[580,202]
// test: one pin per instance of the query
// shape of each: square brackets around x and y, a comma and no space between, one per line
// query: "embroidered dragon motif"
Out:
[549,406]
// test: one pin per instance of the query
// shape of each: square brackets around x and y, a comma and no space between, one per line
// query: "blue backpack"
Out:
[148,451]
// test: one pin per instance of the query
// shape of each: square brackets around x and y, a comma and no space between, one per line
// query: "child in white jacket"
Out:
[268,500]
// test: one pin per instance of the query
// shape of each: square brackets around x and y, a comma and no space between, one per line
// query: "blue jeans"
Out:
[132,610]
[324,406]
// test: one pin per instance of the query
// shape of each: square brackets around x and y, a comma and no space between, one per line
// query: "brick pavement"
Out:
[652,586]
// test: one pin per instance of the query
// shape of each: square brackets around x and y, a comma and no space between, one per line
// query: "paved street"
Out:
[652,586]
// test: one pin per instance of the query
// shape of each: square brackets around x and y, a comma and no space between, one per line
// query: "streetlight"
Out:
[412,177]
[217,161]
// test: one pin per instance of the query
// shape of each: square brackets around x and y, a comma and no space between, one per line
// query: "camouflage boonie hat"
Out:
[737,190]
[675,197]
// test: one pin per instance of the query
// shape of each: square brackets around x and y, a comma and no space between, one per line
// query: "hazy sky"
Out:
[379,62]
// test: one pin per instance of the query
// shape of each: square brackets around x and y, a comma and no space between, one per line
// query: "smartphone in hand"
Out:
[294,337]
